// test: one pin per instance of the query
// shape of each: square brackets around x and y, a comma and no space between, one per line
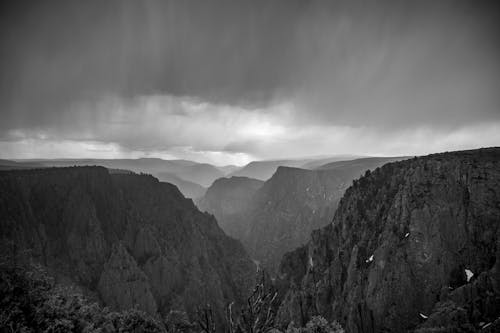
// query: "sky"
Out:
[228,82]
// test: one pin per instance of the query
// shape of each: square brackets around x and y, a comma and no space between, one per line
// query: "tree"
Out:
[258,315]
[206,320]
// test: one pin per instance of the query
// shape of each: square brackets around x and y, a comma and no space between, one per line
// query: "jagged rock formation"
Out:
[130,238]
[402,248]
[228,199]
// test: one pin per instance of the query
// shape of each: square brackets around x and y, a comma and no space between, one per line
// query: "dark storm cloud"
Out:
[55,53]
[408,65]
[73,69]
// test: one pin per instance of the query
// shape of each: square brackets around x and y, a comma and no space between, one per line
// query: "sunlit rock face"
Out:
[130,238]
[401,249]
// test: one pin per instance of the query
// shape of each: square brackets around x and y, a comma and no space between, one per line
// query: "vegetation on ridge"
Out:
[31,301]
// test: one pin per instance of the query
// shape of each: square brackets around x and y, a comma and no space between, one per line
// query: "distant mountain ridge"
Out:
[190,177]
[13,165]
[365,162]
[201,173]
[315,163]
[263,170]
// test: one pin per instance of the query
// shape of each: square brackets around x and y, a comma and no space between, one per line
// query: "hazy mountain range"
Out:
[192,178]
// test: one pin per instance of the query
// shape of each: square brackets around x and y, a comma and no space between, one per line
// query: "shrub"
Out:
[30,302]
[317,324]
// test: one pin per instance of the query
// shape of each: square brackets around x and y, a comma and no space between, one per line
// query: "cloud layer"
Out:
[231,81]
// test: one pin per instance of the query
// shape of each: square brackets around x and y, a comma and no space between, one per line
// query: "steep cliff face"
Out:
[286,209]
[227,199]
[128,237]
[402,248]
[293,203]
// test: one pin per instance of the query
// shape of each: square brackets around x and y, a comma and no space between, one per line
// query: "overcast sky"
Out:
[233,81]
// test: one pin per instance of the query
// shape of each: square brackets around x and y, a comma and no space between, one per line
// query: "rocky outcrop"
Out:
[130,238]
[413,244]
[228,199]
